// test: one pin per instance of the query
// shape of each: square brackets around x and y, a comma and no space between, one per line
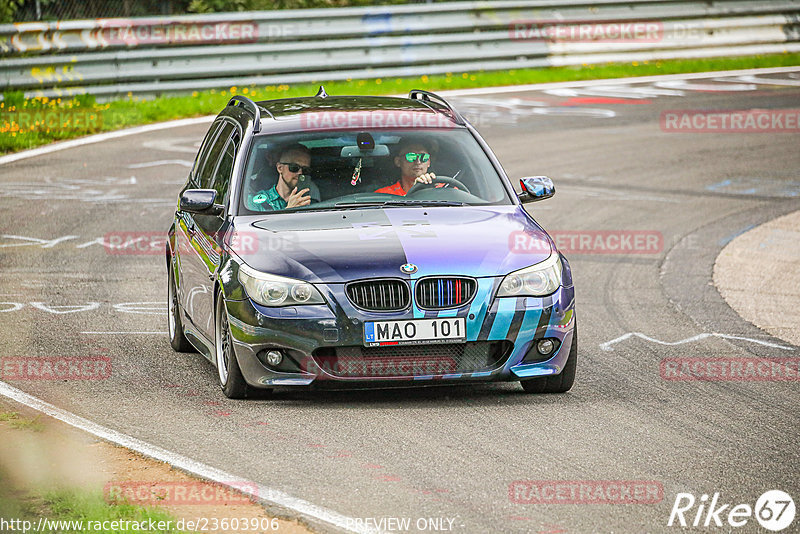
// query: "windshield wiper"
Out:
[399,203]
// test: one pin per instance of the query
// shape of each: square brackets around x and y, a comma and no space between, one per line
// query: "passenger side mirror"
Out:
[200,201]
[536,188]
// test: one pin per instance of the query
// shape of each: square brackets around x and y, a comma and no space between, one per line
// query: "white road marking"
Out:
[614,81]
[616,91]
[122,333]
[182,162]
[769,81]
[722,86]
[97,138]
[607,346]
[66,309]
[184,463]
[34,241]
[187,145]
[144,308]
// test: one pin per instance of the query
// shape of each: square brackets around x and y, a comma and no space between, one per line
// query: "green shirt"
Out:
[270,198]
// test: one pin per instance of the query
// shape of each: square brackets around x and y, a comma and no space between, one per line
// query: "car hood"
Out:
[344,245]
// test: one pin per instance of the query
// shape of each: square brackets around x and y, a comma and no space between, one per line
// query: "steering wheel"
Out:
[440,179]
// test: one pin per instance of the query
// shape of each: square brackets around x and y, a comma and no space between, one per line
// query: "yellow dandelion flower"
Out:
[245,90]
[473,78]
[233,89]
[635,63]
[465,75]
[378,81]
[424,78]
[195,93]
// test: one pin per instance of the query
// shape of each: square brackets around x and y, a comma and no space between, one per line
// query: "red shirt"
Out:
[394,189]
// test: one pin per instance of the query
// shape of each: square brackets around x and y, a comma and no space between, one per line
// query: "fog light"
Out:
[274,358]
[545,346]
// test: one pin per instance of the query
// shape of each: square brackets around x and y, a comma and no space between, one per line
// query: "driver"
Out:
[413,159]
[294,160]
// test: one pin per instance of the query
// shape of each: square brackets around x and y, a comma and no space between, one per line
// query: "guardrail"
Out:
[148,56]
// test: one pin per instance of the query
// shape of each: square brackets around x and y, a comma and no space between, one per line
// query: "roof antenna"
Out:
[321,93]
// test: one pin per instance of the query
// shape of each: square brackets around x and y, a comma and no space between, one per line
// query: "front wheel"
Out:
[230,376]
[561,382]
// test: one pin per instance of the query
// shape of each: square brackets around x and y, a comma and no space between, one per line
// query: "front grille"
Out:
[444,292]
[379,295]
[412,360]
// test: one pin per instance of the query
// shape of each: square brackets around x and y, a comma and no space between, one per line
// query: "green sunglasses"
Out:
[411,157]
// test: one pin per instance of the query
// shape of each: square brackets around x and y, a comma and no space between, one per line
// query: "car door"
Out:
[205,234]
[185,226]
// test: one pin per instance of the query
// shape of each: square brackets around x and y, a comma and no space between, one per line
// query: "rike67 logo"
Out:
[774,510]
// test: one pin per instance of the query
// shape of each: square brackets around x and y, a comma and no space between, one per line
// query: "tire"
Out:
[561,382]
[230,376]
[176,338]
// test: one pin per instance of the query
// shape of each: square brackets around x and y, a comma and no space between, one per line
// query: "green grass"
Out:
[66,505]
[21,423]
[82,115]
[75,505]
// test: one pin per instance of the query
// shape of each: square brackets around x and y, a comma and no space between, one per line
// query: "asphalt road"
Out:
[451,453]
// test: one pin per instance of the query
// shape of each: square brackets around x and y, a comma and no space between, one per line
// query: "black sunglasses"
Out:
[294,167]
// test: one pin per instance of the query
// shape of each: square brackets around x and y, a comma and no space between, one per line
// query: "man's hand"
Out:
[425,178]
[298,198]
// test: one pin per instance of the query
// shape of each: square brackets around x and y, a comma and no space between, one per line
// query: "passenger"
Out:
[294,161]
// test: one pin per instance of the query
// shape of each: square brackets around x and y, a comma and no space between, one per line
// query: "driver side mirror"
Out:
[200,201]
[536,188]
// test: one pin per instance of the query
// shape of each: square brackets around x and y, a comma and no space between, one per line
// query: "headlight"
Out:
[535,281]
[271,290]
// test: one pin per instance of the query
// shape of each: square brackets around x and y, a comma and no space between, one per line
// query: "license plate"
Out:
[416,331]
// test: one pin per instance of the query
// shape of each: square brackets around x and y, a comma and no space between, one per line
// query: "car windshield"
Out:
[351,169]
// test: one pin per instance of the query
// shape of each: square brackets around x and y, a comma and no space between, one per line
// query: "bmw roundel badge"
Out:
[408,268]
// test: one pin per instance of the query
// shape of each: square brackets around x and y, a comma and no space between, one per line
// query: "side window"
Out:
[207,167]
[222,176]
[202,154]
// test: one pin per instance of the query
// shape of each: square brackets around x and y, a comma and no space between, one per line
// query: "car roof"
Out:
[351,112]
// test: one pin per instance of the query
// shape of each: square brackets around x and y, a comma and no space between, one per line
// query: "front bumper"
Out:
[323,344]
